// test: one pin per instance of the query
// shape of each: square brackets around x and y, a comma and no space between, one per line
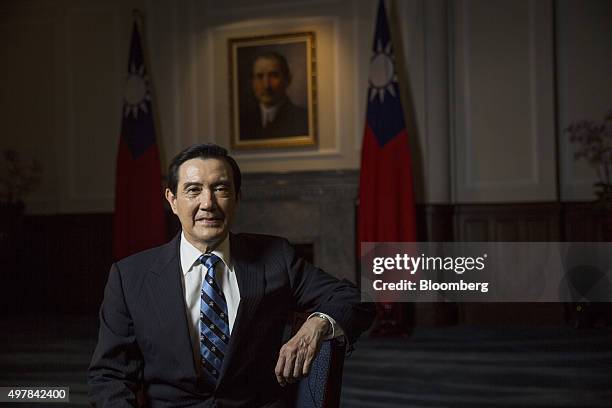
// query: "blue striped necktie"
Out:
[214,323]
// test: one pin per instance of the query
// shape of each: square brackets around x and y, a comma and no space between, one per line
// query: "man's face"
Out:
[205,201]
[269,83]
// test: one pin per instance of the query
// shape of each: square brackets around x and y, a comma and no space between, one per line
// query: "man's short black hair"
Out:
[282,61]
[202,151]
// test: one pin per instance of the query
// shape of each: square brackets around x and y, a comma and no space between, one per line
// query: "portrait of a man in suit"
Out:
[273,90]
[274,114]
[199,321]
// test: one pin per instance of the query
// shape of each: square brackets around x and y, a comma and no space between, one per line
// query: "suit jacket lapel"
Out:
[250,275]
[166,289]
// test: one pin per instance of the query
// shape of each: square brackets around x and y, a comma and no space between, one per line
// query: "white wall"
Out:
[522,72]
[584,61]
[504,101]
[63,84]
[62,66]
[476,75]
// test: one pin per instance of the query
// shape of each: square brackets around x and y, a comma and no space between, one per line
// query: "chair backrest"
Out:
[322,387]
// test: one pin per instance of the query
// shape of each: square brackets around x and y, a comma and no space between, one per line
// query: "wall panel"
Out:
[504,101]
[27,101]
[584,61]
[94,97]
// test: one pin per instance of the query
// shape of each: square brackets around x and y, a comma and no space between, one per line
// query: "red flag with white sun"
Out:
[386,198]
[139,221]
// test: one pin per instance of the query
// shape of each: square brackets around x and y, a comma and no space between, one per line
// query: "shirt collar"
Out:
[190,254]
[268,114]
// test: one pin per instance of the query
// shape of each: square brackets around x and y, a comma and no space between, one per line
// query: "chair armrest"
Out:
[323,386]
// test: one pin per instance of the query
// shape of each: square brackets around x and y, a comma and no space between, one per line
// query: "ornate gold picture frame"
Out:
[272,88]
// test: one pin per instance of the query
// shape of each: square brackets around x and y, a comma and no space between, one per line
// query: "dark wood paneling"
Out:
[588,222]
[508,223]
[530,222]
[59,262]
[434,224]
[62,261]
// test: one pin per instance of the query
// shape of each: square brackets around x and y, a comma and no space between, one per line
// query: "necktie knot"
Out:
[209,260]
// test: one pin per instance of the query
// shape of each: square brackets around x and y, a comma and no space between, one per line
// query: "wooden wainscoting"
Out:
[62,261]
[508,222]
[587,222]
[528,222]
[59,262]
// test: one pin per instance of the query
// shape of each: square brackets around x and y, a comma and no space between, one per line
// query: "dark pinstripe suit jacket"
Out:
[144,338]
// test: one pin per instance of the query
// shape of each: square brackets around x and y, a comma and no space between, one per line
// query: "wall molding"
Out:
[539,182]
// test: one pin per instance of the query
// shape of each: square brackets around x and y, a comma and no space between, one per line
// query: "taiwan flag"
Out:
[139,221]
[386,197]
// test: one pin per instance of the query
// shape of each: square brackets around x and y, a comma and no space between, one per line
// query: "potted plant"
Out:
[594,141]
[18,177]
[594,144]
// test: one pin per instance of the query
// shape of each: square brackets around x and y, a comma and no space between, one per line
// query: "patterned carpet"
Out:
[47,351]
[470,367]
[447,367]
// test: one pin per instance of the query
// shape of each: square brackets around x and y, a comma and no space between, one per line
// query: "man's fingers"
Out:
[280,366]
[296,356]
[310,354]
[289,364]
[286,364]
[299,363]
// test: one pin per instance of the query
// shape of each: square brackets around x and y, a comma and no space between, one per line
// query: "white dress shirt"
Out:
[225,275]
[194,273]
[268,114]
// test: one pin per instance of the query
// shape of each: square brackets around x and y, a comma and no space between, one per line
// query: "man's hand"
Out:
[296,355]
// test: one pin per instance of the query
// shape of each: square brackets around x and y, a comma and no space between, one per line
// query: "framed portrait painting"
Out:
[272,83]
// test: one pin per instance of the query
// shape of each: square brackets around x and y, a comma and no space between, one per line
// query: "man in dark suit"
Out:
[199,322]
[274,115]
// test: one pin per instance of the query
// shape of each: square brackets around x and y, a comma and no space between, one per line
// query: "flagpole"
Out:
[139,18]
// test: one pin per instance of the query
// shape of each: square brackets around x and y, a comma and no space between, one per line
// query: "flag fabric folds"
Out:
[139,221]
[386,197]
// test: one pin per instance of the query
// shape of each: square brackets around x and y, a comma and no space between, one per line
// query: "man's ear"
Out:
[171,198]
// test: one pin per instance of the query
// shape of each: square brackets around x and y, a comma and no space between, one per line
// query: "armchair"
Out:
[322,388]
